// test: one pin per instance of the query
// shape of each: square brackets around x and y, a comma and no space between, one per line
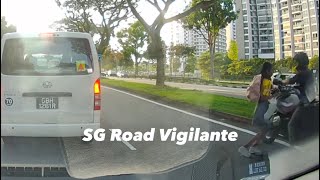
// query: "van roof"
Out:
[55,34]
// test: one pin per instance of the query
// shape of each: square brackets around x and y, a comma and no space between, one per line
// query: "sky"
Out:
[38,15]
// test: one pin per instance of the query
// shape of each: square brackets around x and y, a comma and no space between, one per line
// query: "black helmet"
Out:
[301,59]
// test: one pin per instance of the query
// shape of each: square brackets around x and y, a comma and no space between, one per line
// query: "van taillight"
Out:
[97,95]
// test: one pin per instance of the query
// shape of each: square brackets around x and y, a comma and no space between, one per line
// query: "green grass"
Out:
[234,106]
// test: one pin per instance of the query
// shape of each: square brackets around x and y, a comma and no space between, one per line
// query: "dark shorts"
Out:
[258,118]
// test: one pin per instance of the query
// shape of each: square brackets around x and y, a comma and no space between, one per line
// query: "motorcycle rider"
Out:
[305,82]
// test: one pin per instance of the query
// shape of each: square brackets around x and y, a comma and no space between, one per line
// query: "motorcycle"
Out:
[281,108]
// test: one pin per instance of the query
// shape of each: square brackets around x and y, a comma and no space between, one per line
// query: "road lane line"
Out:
[195,115]
[132,148]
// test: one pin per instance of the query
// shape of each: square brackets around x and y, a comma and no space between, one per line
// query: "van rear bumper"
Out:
[46,130]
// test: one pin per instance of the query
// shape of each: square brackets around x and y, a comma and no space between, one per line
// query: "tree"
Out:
[208,23]
[285,65]
[5,28]
[132,40]
[113,59]
[233,51]
[153,30]
[179,54]
[243,69]
[314,63]
[79,13]
[204,64]
[191,63]
[221,64]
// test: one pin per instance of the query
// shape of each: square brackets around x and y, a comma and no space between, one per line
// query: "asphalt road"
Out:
[143,160]
[225,91]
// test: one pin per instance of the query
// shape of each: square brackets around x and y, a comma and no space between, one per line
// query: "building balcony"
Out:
[297,18]
[298,33]
[295,3]
[299,42]
[295,10]
[297,26]
[284,7]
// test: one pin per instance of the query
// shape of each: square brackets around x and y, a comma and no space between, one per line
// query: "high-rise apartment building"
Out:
[176,33]
[296,27]
[230,33]
[192,38]
[254,29]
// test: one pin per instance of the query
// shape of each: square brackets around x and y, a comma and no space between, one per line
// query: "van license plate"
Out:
[47,103]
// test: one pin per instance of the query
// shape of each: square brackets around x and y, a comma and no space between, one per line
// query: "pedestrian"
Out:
[261,108]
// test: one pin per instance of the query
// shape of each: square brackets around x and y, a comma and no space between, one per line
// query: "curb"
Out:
[212,113]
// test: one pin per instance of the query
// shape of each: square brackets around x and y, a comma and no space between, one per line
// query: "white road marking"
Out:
[195,115]
[132,148]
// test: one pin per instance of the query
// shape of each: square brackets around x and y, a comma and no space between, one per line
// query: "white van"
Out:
[50,84]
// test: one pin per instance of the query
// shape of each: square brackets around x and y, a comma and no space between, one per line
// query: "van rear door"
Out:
[47,80]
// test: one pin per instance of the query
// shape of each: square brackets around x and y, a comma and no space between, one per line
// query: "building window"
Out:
[246,44]
[246,50]
[315,36]
[311,3]
[306,29]
[246,38]
[312,13]
[315,44]
[246,57]
[314,28]
[307,45]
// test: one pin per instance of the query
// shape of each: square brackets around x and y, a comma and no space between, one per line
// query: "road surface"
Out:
[194,160]
[225,91]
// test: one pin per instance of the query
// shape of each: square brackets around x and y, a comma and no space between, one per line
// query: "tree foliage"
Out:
[5,28]
[208,22]
[79,17]
[314,63]
[233,51]
[113,59]
[204,65]
[285,65]
[155,49]
[245,68]
[133,40]
[191,63]
[182,54]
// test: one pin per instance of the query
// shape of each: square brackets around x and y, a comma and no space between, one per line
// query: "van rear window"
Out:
[46,56]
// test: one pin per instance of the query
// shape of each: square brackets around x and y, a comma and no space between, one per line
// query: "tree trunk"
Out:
[136,66]
[160,71]
[212,52]
[171,65]
[157,51]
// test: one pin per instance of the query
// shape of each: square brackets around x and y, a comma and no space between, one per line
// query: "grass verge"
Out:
[229,105]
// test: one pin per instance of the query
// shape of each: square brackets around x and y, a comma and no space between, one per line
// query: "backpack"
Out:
[253,91]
